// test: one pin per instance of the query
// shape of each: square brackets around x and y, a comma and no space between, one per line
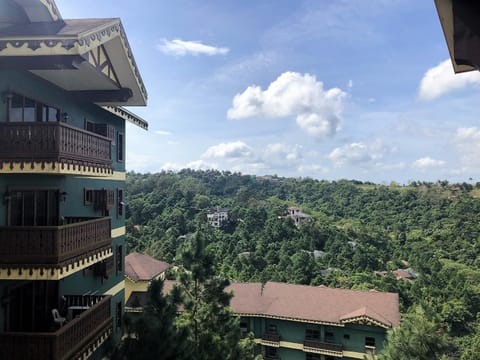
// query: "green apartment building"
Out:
[62,180]
[301,322]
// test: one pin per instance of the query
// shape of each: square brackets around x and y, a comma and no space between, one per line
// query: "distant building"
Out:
[297,215]
[140,270]
[400,274]
[217,216]
[306,322]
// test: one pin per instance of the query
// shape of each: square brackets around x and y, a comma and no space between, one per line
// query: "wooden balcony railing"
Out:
[53,245]
[53,142]
[271,337]
[327,347]
[65,343]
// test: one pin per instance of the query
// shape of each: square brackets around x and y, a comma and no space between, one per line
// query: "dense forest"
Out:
[358,235]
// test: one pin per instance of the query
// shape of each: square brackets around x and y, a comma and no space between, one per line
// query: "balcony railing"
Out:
[271,337]
[53,245]
[322,346]
[53,142]
[65,343]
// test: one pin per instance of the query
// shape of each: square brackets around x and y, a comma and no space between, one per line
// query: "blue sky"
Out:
[326,89]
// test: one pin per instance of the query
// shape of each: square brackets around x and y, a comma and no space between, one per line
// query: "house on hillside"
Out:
[140,270]
[297,215]
[218,216]
[329,324]
[62,163]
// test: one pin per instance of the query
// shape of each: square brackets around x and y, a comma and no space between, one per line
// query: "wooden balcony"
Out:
[70,341]
[53,246]
[324,348]
[269,339]
[53,143]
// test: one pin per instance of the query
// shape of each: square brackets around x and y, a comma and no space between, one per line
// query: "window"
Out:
[370,341]
[120,203]
[33,208]
[87,196]
[105,130]
[310,356]
[119,259]
[346,336]
[271,352]
[311,334]
[120,147]
[329,338]
[119,314]
[23,109]
[244,328]
[104,199]
[272,329]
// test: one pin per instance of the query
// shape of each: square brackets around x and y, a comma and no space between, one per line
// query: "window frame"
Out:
[120,147]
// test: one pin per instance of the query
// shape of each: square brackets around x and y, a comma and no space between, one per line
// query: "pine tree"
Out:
[213,332]
[152,334]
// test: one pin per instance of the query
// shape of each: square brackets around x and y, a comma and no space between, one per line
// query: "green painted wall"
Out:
[351,336]
[31,86]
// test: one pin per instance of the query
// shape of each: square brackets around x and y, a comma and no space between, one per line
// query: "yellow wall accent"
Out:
[117,176]
[291,345]
[131,286]
[57,273]
[55,169]
[116,289]
[355,355]
[297,346]
[118,232]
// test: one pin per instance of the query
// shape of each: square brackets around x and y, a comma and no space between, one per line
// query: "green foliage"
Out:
[417,338]
[211,330]
[156,322]
[358,229]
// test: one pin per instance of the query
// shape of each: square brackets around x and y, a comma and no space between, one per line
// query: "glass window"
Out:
[120,148]
[16,108]
[369,341]
[29,110]
[25,109]
[33,208]
[311,334]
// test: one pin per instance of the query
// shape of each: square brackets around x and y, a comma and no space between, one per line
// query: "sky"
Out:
[344,89]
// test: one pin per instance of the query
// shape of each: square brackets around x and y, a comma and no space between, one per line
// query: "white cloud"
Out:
[441,79]
[467,141]
[201,165]
[317,111]
[358,153]
[181,48]
[163,133]
[427,163]
[282,154]
[231,150]
[169,166]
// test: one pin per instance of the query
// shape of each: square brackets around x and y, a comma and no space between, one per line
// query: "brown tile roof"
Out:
[309,303]
[139,267]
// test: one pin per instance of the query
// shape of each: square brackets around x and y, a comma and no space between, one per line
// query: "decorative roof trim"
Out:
[73,45]
[127,115]
[290,319]
[52,9]
[366,320]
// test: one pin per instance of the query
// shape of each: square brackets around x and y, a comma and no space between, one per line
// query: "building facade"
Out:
[291,322]
[217,217]
[299,322]
[62,180]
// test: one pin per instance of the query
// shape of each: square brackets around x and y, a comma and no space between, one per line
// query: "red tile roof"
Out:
[319,304]
[139,267]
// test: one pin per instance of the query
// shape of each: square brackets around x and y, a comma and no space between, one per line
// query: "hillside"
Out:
[359,235]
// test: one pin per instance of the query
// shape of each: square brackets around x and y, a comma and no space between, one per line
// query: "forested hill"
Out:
[357,229]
